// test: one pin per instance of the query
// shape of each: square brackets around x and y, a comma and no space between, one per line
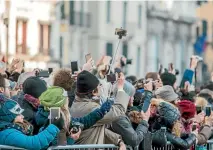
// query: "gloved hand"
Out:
[58,123]
[105,107]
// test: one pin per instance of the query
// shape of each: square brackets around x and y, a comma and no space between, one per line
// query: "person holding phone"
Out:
[15,131]
[57,97]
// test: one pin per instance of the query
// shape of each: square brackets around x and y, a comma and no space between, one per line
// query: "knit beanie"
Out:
[53,97]
[166,93]
[9,110]
[187,109]
[168,78]
[86,82]
[34,86]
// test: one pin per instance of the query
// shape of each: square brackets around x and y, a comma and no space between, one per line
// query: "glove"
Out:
[105,107]
[58,123]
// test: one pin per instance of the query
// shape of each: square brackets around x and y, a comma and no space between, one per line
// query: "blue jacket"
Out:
[187,76]
[88,120]
[14,137]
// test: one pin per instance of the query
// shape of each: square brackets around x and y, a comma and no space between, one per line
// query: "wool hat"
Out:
[187,109]
[9,110]
[166,93]
[169,113]
[168,78]
[86,82]
[53,97]
[34,86]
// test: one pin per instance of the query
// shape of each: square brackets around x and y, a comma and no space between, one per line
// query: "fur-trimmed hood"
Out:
[200,101]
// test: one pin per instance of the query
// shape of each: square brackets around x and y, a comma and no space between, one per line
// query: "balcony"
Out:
[78,19]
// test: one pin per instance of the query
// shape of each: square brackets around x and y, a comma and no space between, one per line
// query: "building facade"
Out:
[170,34]
[89,27]
[27,32]
[205,26]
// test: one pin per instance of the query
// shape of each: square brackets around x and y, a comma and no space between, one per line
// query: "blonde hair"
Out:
[176,129]
[200,101]
[66,115]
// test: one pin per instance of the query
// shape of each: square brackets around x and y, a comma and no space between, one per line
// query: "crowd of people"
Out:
[96,111]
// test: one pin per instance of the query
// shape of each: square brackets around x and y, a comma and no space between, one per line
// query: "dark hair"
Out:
[131,79]
[138,99]
[152,75]
[209,86]
[2,81]
[86,95]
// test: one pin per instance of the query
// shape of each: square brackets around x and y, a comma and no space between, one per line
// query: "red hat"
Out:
[187,109]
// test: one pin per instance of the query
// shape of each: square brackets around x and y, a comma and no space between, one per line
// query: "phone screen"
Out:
[50,70]
[74,66]
[54,113]
[208,110]
[194,127]
[44,74]
[111,78]
[88,56]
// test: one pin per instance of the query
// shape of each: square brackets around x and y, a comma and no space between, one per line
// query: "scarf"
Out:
[25,127]
[32,100]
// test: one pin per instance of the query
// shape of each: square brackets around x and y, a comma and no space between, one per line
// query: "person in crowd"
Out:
[169,118]
[57,97]
[168,94]
[123,125]
[88,99]
[33,87]
[4,87]
[131,79]
[15,131]
[169,79]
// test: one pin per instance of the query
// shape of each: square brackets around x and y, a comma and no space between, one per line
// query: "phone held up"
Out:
[74,67]
[88,57]
[208,110]
[111,78]
[54,113]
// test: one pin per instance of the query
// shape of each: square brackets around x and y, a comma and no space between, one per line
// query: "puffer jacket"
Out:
[14,137]
[88,120]
[168,114]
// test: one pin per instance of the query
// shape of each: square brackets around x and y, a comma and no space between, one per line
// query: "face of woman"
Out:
[19,118]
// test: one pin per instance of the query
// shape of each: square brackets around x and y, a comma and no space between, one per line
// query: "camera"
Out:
[76,126]
[128,62]
[120,32]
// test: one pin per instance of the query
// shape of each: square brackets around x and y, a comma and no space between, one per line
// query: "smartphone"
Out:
[194,127]
[146,104]
[44,74]
[88,56]
[50,70]
[163,129]
[111,78]
[198,109]
[208,110]
[74,66]
[54,113]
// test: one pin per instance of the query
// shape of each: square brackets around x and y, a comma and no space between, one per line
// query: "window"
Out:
[109,49]
[72,13]
[139,16]
[61,46]
[124,14]
[21,36]
[62,10]
[82,13]
[125,50]
[138,58]
[44,38]
[108,11]
[204,25]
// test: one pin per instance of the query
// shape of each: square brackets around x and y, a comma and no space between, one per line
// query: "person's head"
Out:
[169,79]
[153,76]
[168,94]
[187,109]
[207,97]
[10,111]
[34,86]
[88,85]
[2,84]
[63,78]
[23,77]
[56,97]
[131,79]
